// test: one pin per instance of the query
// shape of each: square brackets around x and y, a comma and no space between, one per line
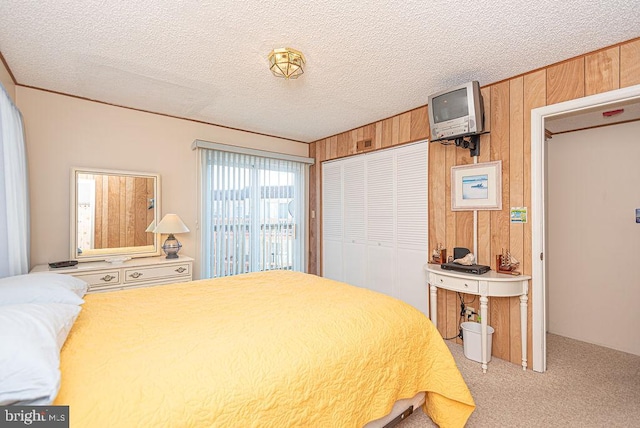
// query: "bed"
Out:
[275,348]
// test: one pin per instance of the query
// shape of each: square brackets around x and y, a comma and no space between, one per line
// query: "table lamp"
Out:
[171,224]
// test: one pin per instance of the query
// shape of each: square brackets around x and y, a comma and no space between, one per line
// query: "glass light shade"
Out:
[287,63]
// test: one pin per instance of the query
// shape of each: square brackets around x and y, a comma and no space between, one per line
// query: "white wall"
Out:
[593,240]
[63,132]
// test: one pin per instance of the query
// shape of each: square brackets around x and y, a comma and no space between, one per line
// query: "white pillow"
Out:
[31,335]
[42,288]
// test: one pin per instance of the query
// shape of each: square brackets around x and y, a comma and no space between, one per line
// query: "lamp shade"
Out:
[151,226]
[171,223]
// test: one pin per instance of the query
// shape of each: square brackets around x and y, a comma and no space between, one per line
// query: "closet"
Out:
[374,222]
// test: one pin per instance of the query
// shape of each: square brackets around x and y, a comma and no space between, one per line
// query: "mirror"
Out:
[113,214]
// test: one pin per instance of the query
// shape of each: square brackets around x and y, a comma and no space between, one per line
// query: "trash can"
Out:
[472,340]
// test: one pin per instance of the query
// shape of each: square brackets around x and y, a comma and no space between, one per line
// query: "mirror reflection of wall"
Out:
[112,212]
[86,210]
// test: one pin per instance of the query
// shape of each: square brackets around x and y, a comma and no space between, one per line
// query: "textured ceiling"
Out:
[366,60]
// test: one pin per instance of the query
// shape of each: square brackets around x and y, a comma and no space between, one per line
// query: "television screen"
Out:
[451,105]
[456,112]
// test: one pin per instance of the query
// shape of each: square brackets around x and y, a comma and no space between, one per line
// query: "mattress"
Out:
[265,349]
[398,409]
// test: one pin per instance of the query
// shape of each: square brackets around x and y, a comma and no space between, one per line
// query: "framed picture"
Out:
[476,187]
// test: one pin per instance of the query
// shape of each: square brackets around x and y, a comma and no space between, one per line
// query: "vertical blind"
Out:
[253,216]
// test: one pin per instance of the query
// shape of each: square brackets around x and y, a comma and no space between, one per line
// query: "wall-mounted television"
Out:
[456,112]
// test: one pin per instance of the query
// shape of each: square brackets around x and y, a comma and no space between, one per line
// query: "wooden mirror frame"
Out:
[113,252]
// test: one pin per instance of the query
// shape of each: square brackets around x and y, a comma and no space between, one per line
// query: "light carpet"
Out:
[585,385]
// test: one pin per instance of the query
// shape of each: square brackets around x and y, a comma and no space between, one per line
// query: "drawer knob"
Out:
[441,280]
[465,284]
[135,275]
[180,269]
[107,278]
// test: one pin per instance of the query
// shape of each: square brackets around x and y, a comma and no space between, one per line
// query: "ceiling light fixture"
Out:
[287,63]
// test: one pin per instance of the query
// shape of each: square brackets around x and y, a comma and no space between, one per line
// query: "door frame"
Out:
[538,173]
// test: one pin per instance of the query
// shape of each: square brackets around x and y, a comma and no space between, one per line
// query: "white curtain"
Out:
[14,197]
[253,215]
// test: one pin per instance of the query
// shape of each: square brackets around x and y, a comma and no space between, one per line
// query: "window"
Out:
[253,213]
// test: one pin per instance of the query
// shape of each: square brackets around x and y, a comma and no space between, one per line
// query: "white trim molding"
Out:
[538,167]
[200,144]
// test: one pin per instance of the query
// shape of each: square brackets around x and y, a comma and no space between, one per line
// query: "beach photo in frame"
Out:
[476,187]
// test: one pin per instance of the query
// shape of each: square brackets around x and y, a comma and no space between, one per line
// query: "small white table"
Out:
[490,284]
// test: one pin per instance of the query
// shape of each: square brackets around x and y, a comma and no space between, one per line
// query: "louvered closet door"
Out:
[412,226]
[375,222]
[355,214]
[332,221]
[381,223]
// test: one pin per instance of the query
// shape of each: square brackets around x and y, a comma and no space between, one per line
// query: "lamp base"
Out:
[171,247]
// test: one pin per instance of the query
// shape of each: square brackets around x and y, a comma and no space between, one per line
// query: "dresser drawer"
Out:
[140,272]
[456,284]
[102,278]
[143,274]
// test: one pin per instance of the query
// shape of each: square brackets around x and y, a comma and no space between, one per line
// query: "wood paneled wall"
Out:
[121,211]
[508,106]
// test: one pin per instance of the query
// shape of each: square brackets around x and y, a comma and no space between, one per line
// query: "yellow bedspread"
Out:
[270,349]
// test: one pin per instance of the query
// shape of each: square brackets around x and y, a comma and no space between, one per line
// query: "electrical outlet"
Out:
[469,312]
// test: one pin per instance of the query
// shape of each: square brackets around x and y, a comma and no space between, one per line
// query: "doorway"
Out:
[592,238]
[539,118]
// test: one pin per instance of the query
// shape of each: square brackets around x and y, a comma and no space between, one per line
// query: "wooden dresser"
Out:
[140,272]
